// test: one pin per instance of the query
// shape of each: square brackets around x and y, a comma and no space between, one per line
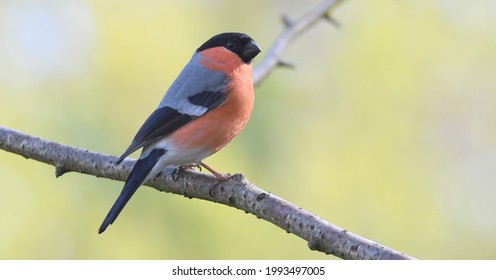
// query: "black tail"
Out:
[140,170]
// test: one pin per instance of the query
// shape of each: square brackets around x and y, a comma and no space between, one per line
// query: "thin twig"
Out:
[292,28]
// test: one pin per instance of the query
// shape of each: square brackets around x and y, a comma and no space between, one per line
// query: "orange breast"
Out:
[219,126]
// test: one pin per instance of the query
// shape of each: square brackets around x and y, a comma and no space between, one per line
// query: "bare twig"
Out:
[237,192]
[292,28]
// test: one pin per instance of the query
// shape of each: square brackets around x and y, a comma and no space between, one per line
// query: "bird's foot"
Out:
[191,166]
[184,167]
[218,176]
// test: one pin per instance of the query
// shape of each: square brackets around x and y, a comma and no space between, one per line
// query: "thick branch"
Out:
[292,29]
[237,192]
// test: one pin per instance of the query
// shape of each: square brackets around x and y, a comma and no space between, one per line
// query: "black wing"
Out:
[161,122]
[165,120]
[208,99]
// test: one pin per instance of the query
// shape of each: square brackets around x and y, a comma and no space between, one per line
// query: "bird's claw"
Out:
[184,167]
[191,166]
[174,173]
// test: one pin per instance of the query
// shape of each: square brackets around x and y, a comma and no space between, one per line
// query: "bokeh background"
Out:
[386,127]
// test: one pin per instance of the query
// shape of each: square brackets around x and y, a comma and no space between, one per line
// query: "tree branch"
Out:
[237,192]
[292,29]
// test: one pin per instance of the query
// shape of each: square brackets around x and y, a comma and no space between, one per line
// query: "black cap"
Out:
[239,43]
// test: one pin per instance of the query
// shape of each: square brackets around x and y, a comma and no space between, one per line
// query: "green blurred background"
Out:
[386,127]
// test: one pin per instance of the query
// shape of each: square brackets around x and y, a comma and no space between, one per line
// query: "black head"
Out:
[239,43]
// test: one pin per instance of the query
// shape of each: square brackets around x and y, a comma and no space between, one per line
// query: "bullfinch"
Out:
[207,105]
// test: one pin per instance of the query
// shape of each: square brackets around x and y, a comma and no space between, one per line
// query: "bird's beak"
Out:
[251,50]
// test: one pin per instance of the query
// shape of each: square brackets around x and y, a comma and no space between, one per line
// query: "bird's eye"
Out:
[230,45]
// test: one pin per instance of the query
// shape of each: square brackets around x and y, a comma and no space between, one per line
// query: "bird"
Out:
[207,105]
